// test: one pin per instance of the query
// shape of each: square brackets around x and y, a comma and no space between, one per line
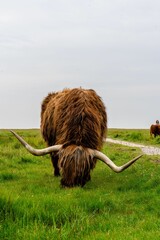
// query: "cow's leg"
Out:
[54,159]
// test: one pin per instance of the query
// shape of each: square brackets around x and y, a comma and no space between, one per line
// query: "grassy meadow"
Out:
[134,135]
[123,206]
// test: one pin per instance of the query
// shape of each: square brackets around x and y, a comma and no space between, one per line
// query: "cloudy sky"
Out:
[110,46]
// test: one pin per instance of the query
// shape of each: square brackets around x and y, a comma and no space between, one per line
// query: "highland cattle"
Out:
[155,130]
[74,125]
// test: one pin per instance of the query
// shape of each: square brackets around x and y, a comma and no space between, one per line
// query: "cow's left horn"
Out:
[36,152]
[111,164]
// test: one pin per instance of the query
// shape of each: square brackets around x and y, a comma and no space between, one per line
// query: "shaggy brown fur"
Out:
[75,118]
[155,130]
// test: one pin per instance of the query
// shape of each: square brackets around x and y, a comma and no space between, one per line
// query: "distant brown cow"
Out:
[155,130]
[74,124]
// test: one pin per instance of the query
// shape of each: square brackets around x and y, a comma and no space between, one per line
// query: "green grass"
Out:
[33,206]
[134,135]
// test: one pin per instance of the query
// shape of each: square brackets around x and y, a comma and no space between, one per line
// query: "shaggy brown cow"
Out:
[155,130]
[74,124]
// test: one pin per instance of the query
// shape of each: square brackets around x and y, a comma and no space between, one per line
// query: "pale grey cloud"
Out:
[111,46]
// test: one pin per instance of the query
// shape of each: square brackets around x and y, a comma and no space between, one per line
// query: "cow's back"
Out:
[75,116]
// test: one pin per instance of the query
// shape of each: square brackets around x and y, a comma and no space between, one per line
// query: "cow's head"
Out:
[75,162]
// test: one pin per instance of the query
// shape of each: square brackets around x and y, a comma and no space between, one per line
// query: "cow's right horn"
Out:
[36,152]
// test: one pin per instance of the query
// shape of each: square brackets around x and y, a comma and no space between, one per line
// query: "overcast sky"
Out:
[110,46]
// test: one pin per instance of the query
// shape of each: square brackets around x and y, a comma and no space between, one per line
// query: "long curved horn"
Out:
[36,152]
[111,164]
[97,154]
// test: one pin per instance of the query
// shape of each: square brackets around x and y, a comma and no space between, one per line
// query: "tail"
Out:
[151,131]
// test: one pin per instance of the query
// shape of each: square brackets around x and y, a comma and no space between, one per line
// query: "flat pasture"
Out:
[124,206]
